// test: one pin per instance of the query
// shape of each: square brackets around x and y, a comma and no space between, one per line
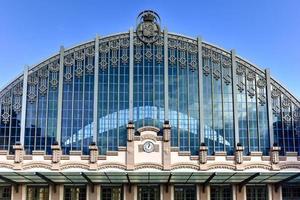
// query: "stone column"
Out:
[93,195]
[276,195]
[204,195]
[130,195]
[130,146]
[166,146]
[59,194]
[241,195]
[167,195]
[20,195]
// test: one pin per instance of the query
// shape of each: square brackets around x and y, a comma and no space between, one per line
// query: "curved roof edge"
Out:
[33,67]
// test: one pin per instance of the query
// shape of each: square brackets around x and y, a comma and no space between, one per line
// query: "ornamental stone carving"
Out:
[274,153]
[93,153]
[148,30]
[239,154]
[56,153]
[203,154]
[19,153]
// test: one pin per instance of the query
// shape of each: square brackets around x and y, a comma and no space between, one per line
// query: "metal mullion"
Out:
[178,102]
[188,94]
[24,106]
[153,79]
[47,106]
[108,90]
[293,129]
[257,114]
[83,101]
[118,92]
[36,111]
[222,99]
[212,101]
[247,117]
[10,119]
[143,67]
[165,52]
[282,123]
[96,88]
[131,75]
[72,113]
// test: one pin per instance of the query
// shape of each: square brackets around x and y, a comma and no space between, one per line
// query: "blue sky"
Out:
[265,32]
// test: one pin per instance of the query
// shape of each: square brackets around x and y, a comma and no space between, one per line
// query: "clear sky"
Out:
[265,32]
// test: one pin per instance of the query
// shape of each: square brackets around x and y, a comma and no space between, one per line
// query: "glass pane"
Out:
[257,193]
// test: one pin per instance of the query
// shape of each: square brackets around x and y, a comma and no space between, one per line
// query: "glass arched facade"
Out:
[90,92]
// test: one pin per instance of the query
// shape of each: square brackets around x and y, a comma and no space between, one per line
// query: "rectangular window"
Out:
[257,193]
[291,192]
[75,193]
[5,192]
[185,193]
[221,192]
[37,193]
[149,192]
[111,193]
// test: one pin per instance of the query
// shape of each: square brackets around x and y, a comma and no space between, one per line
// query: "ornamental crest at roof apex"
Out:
[148,29]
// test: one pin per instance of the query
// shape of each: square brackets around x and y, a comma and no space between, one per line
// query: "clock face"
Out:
[148,147]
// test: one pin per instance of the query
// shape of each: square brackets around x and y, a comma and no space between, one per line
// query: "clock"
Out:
[148,147]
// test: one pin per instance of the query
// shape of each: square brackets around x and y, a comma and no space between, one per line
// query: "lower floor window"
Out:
[291,192]
[37,192]
[5,192]
[257,192]
[75,193]
[111,193]
[149,192]
[185,193]
[221,192]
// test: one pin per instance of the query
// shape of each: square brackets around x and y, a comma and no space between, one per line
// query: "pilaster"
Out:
[200,85]
[269,106]
[19,194]
[204,195]
[96,81]
[241,194]
[234,96]
[166,76]
[60,94]
[24,106]
[131,59]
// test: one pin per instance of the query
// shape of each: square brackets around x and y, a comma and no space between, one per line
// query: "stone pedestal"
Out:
[93,195]
[274,154]
[93,153]
[203,154]
[239,150]
[130,195]
[19,153]
[56,153]
[59,194]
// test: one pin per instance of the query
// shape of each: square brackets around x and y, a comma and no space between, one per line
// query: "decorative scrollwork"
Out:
[206,70]
[275,93]
[79,56]
[54,66]
[90,51]
[286,103]
[69,61]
